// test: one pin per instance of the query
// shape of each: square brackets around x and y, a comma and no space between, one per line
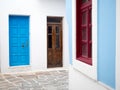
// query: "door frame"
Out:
[61,23]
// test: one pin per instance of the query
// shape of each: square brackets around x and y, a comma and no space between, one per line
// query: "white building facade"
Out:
[37,12]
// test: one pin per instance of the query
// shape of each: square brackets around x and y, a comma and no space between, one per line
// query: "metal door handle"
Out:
[22,46]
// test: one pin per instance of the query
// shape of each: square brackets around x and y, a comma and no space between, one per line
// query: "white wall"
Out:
[79,81]
[0,53]
[38,10]
[117,44]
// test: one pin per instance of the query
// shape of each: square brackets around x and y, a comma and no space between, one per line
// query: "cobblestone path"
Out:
[44,80]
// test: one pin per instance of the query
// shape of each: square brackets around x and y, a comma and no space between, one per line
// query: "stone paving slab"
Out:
[44,80]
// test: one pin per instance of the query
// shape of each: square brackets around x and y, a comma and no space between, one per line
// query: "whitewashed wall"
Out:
[38,10]
[117,44]
[0,53]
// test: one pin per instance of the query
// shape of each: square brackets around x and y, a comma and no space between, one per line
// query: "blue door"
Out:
[18,40]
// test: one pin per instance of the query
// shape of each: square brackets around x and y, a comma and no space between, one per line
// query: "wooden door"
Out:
[19,40]
[54,45]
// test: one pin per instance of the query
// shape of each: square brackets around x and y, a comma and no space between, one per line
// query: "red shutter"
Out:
[84,31]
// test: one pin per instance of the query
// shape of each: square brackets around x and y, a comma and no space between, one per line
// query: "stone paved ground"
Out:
[44,80]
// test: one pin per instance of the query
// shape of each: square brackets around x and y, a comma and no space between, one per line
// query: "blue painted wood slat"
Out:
[18,40]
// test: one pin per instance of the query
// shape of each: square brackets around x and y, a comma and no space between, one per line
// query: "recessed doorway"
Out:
[54,42]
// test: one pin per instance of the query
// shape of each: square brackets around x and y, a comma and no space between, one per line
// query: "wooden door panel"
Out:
[50,57]
[58,45]
[49,44]
[58,59]
[54,52]
[19,40]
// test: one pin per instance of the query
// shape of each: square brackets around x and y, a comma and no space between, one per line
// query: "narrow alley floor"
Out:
[43,80]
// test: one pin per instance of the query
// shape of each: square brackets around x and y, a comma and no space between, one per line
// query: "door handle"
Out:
[22,46]
[25,44]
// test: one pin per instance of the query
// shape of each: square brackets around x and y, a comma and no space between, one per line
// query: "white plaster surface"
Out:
[117,44]
[79,81]
[38,10]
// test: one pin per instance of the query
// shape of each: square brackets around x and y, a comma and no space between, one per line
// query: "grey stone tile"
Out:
[46,80]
